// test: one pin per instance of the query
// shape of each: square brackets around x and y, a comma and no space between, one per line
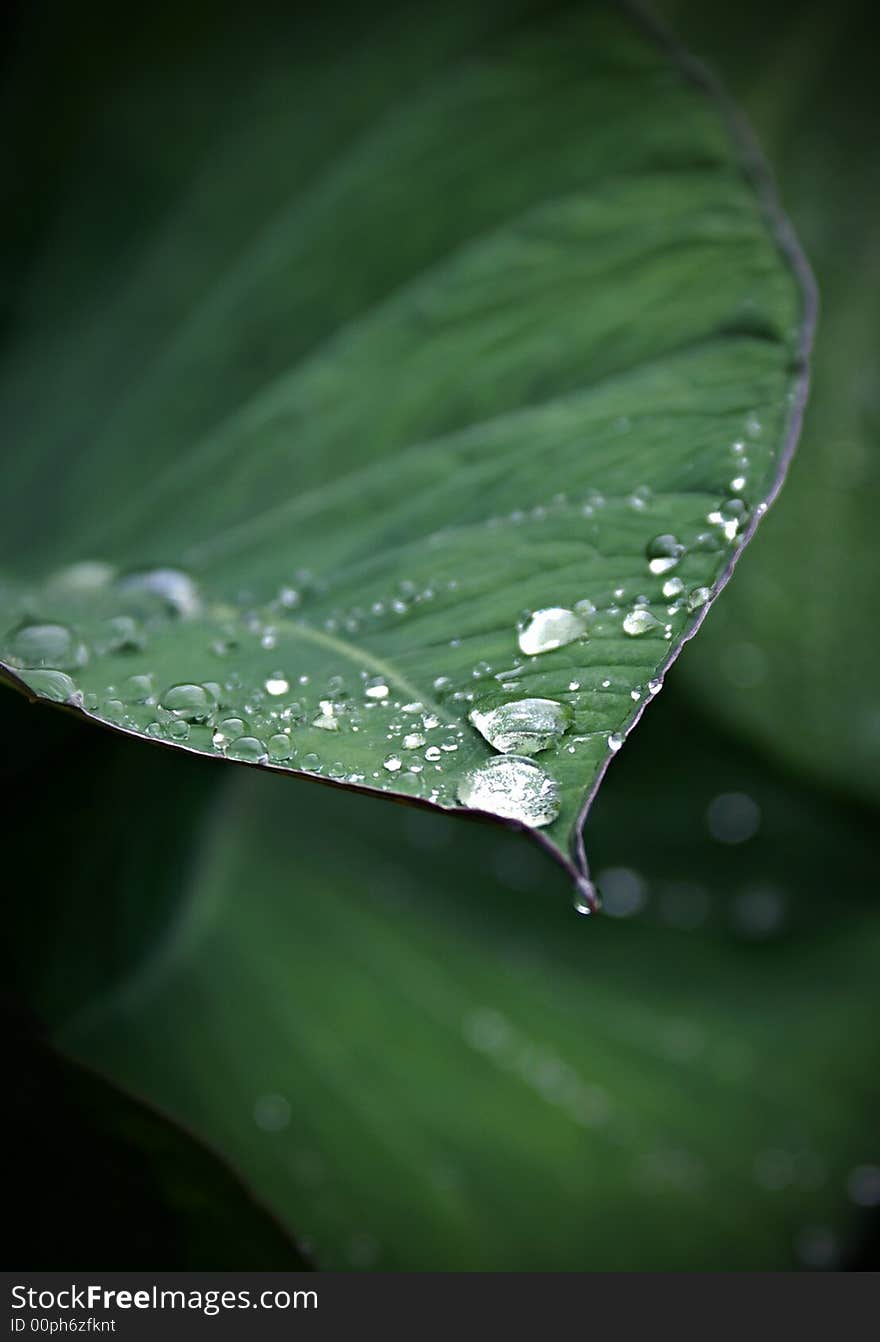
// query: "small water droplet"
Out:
[586,897]
[433,753]
[413,740]
[663,553]
[512,787]
[524,726]
[673,587]
[137,690]
[550,628]
[393,763]
[639,621]
[655,686]
[376,688]
[172,586]
[277,683]
[615,740]
[697,598]
[178,730]
[280,748]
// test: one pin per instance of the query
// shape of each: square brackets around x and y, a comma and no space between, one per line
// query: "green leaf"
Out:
[515,332]
[97,1177]
[421,1059]
[790,656]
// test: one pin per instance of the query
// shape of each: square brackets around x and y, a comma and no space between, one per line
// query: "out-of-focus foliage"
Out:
[790,656]
[420,1057]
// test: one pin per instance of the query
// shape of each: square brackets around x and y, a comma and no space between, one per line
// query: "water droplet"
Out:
[512,787]
[413,740]
[248,749]
[393,763]
[639,621]
[327,720]
[277,683]
[280,747]
[430,721]
[673,587]
[56,686]
[376,688]
[663,553]
[137,690]
[192,703]
[697,598]
[51,646]
[738,483]
[433,753]
[289,598]
[172,586]
[524,726]
[615,740]
[655,686]
[123,634]
[228,730]
[90,575]
[552,627]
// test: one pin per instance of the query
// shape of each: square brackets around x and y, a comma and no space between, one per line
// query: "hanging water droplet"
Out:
[639,621]
[172,586]
[550,628]
[663,553]
[523,727]
[192,703]
[586,896]
[655,686]
[512,787]
[248,749]
[37,646]
[697,598]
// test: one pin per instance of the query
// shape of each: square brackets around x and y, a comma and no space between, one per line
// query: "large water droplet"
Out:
[523,727]
[192,703]
[44,645]
[552,627]
[512,787]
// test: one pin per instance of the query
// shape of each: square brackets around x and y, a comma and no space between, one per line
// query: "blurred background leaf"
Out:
[420,1057]
[789,658]
[95,1177]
